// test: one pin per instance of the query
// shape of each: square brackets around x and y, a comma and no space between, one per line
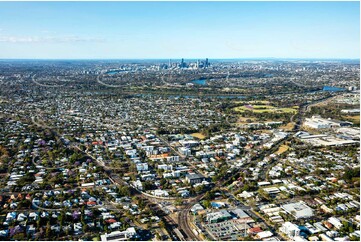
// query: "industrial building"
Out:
[316,122]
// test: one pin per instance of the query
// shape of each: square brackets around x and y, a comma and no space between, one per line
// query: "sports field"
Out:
[198,135]
[264,109]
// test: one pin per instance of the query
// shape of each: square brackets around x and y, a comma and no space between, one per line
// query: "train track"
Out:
[184,223]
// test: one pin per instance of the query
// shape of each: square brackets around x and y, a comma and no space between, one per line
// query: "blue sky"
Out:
[120,30]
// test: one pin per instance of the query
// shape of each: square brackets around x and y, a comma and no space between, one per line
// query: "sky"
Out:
[157,30]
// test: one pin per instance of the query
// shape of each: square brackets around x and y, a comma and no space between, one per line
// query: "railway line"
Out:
[183,220]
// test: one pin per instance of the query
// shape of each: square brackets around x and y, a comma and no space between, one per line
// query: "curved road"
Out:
[184,220]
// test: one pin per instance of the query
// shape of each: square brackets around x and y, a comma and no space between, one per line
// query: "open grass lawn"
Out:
[288,127]
[311,130]
[198,135]
[264,109]
[282,149]
[267,131]
[244,120]
[354,119]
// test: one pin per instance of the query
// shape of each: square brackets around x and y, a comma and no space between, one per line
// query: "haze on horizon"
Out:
[161,30]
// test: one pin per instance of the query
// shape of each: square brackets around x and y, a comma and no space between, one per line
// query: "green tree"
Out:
[207,203]
[48,230]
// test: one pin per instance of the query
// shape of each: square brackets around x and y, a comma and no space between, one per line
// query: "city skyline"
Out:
[175,30]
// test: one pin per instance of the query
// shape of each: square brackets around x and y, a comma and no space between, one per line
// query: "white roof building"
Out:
[264,234]
[119,235]
[335,222]
[218,216]
[298,210]
[142,166]
[290,229]
[299,238]
[160,193]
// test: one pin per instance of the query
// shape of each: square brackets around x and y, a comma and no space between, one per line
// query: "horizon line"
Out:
[185,58]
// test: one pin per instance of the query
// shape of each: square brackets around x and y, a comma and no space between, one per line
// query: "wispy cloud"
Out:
[48,32]
[49,39]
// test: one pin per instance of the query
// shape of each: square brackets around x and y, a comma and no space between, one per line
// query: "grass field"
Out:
[264,109]
[288,127]
[198,135]
[282,149]
[354,119]
[244,120]
[267,131]
[310,130]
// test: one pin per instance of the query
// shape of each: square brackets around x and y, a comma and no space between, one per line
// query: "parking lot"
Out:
[230,229]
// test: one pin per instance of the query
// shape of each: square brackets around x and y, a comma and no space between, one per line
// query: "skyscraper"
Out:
[207,63]
[182,64]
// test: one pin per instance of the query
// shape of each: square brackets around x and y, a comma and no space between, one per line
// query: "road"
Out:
[182,157]
[327,99]
[183,216]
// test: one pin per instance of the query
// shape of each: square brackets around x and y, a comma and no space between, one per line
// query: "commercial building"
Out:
[194,178]
[119,235]
[298,210]
[290,229]
[351,111]
[264,234]
[184,151]
[219,216]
